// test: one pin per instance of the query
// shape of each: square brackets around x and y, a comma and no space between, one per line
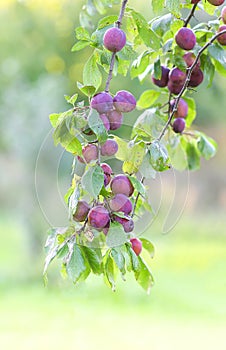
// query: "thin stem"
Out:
[191,14]
[136,199]
[185,86]
[118,24]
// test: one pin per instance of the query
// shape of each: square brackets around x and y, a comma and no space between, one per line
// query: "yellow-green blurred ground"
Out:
[186,308]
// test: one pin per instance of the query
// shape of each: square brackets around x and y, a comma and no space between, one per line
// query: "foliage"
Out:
[155,145]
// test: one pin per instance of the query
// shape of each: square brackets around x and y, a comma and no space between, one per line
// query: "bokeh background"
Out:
[187,306]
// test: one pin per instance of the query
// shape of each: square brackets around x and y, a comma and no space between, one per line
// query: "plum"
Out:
[127,223]
[115,118]
[122,184]
[114,39]
[107,173]
[174,88]
[109,148]
[223,14]
[120,202]
[177,76]
[89,152]
[196,78]
[124,101]
[182,108]
[216,2]
[102,102]
[222,38]
[81,211]
[185,38]
[105,121]
[136,245]
[98,217]
[189,58]
[163,81]
[179,125]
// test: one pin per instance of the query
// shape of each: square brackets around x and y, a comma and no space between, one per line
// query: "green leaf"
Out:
[218,53]
[116,235]
[134,159]
[82,34]
[91,73]
[63,136]
[71,99]
[158,156]
[76,265]
[174,7]
[192,153]
[144,276]
[157,69]
[158,5]
[147,99]
[177,153]
[119,259]
[209,69]
[138,186]
[73,201]
[146,169]
[148,246]
[191,111]
[110,271]
[134,259]
[207,146]
[93,180]
[148,125]
[93,257]
[210,9]
[161,25]
[139,65]
[80,45]
[87,90]
[106,21]
[97,126]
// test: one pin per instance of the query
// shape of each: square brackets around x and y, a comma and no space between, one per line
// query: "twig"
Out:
[191,14]
[118,24]
[185,86]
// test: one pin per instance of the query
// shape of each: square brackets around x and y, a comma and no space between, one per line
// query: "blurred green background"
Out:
[187,306]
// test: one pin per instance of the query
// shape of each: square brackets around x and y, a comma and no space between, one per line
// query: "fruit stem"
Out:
[118,24]
[185,86]
[191,14]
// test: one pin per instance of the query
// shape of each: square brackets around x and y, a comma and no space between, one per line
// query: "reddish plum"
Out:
[163,81]
[122,184]
[109,148]
[124,101]
[98,217]
[136,245]
[120,202]
[102,102]
[114,39]
[185,38]
[81,211]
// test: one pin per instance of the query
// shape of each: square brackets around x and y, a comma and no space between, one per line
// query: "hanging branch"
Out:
[185,86]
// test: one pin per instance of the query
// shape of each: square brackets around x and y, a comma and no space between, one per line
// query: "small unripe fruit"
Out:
[128,224]
[102,102]
[182,108]
[109,148]
[189,58]
[122,184]
[89,152]
[107,173]
[185,38]
[98,217]
[222,38]
[136,245]
[115,118]
[105,121]
[124,101]
[179,125]
[223,14]
[81,211]
[216,2]
[196,78]
[114,39]
[163,81]
[121,203]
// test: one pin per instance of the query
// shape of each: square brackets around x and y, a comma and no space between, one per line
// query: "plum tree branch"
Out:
[185,86]
[118,24]
[191,14]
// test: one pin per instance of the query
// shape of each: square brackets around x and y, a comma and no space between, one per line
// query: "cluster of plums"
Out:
[101,215]
[175,78]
